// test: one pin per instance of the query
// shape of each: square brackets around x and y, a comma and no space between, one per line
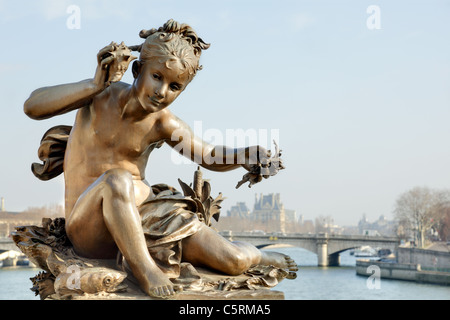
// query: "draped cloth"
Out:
[51,151]
[167,220]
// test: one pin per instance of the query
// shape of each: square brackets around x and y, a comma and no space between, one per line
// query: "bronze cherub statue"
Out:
[109,205]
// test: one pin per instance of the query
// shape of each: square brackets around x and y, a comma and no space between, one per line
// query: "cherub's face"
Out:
[157,84]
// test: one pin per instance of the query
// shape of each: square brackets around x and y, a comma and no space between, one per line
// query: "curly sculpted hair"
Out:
[173,41]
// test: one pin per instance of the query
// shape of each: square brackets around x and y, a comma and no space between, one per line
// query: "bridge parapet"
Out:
[326,246]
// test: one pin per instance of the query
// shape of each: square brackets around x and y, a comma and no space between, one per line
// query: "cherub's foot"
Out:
[159,286]
[281,261]
[153,282]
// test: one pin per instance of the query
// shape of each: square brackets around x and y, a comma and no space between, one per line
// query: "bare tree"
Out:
[418,209]
[444,224]
[53,210]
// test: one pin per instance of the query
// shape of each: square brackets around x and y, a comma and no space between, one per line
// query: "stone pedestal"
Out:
[134,293]
[67,276]
[261,294]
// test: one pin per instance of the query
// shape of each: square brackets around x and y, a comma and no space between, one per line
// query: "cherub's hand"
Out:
[112,62]
[261,165]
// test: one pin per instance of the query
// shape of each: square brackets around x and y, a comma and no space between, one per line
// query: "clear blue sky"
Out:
[362,114]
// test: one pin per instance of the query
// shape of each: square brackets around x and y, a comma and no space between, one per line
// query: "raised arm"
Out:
[47,102]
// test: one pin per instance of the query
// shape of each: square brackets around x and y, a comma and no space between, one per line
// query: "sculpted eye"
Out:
[175,86]
[156,76]
[107,281]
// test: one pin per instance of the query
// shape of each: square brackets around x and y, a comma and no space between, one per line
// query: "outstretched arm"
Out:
[255,159]
[47,102]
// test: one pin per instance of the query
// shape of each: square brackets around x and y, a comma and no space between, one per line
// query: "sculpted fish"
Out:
[64,273]
[89,280]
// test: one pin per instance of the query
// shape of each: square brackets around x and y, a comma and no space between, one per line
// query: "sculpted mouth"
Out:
[155,101]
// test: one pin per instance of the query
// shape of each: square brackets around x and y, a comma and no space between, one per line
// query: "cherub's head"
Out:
[169,60]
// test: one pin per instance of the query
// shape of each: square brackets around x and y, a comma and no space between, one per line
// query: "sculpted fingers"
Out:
[105,62]
[104,59]
[292,268]
[105,51]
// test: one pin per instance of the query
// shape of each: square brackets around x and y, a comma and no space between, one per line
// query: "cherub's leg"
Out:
[210,249]
[105,218]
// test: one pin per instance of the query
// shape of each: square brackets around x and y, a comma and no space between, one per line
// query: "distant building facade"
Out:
[268,211]
[240,210]
[382,226]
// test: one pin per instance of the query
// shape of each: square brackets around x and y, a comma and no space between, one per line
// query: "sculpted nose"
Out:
[161,91]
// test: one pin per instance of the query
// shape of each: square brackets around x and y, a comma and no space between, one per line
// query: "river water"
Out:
[312,283]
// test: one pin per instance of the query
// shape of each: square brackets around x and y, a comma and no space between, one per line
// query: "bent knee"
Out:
[119,182]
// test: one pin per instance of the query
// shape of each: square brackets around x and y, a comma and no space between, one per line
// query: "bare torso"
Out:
[102,139]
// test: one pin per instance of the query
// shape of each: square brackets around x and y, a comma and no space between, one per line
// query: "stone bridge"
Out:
[326,246]
[7,244]
[8,225]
